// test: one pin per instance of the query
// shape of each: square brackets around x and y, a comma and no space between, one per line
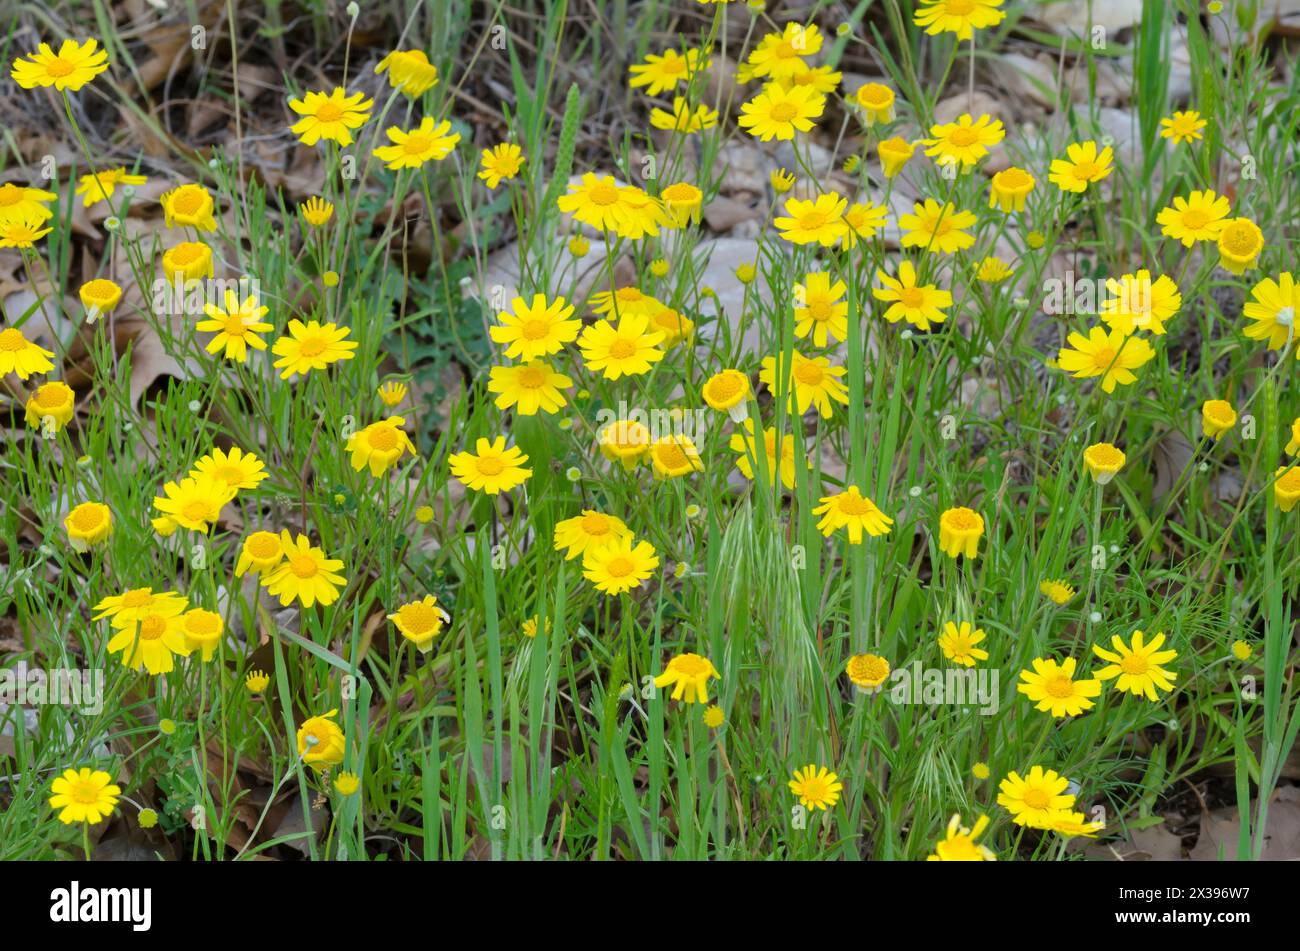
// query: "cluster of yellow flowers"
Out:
[631,333]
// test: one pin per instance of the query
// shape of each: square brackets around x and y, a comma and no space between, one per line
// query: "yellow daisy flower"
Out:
[202,630]
[958,643]
[1183,127]
[261,552]
[412,148]
[811,381]
[674,456]
[17,201]
[1053,689]
[1034,799]
[745,445]
[894,153]
[959,17]
[72,67]
[535,330]
[854,512]
[380,445]
[779,113]
[304,573]
[237,468]
[19,355]
[1200,216]
[960,530]
[1240,242]
[491,468]
[1217,417]
[624,441]
[529,387]
[1112,356]
[816,788]
[195,502]
[820,221]
[409,71]
[936,227]
[500,163]
[1083,165]
[237,326]
[331,116]
[420,622]
[88,524]
[189,206]
[1272,312]
[1138,665]
[84,795]
[627,348]
[959,843]
[918,304]
[101,186]
[316,211]
[663,73]
[311,346]
[619,566]
[592,529]
[321,742]
[965,141]
[819,312]
[51,405]
[1135,302]
[689,675]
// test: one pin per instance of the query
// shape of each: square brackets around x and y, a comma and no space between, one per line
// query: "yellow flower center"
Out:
[51,396]
[98,289]
[809,373]
[1195,219]
[1036,798]
[329,112]
[234,325]
[1104,454]
[1013,179]
[724,386]
[820,309]
[535,329]
[673,65]
[531,378]
[619,566]
[784,111]
[912,298]
[490,465]
[1134,664]
[59,67]
[84,792]
[595,523]
[419,618]
[671,456]
[784,50]
[262,545]
[1059,686]
[1240,239]
[152,628]
[197,511]
[12,340]
[603,194]
[1104,357]
[690,665]
[960,8]
[383,438]
[855,505]
[1086,171]
[622,349]
[183,255]
[811,220]
[304,566]
[188,201]
[417,144]
[1289,481]
[87,518]
[312,346]
[963,137]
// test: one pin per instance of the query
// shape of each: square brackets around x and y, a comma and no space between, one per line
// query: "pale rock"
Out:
[1075,16]
[747,168]
[1026,77]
